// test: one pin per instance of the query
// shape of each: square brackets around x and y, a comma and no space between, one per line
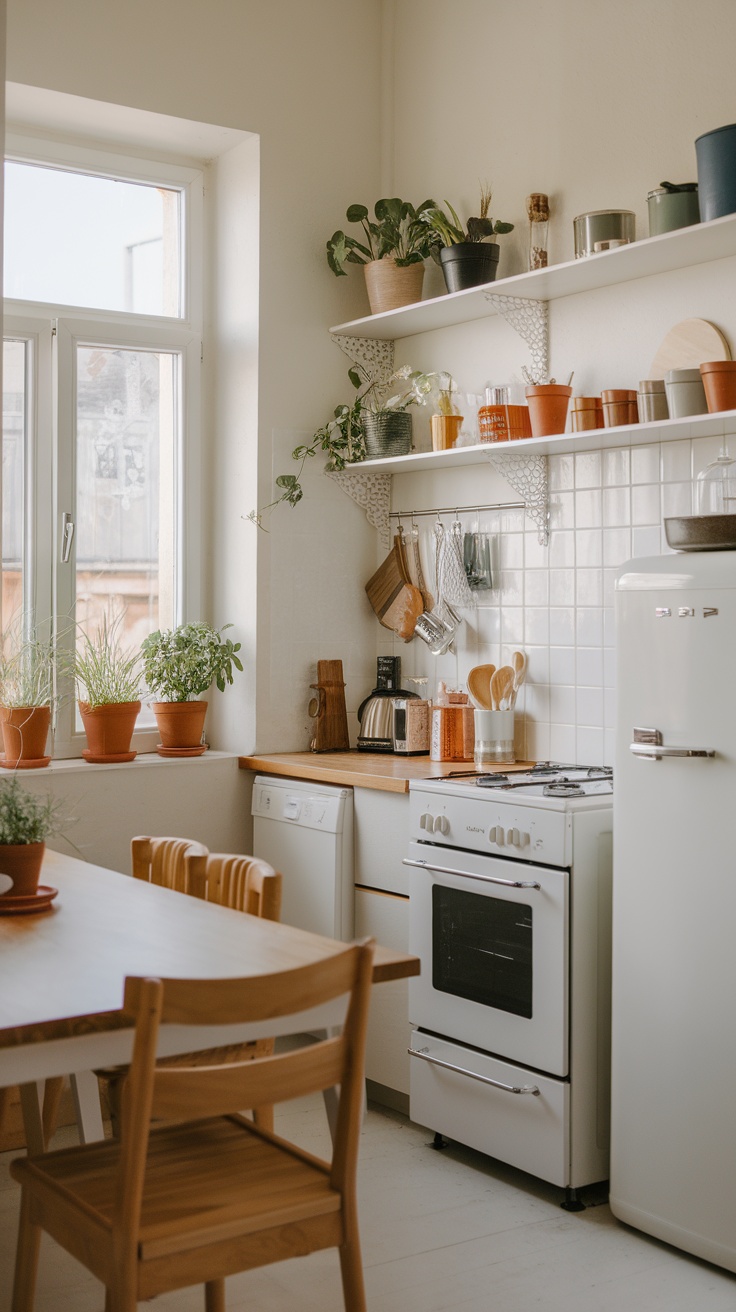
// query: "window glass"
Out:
[73,238]
[15,411]
[126,440]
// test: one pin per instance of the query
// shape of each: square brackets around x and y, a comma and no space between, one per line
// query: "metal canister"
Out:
[672,206]
[651,400]
[602,225]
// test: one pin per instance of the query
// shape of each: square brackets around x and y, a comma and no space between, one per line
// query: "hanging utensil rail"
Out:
[456,510]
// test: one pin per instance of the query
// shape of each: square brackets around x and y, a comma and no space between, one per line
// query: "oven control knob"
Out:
[492,834]
[515,838]
[441,824]
[425,821]
[499,837]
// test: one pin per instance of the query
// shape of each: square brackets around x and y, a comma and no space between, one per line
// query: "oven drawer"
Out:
[527,1130]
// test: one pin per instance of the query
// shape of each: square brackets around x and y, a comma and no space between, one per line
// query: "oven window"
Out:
[482,949]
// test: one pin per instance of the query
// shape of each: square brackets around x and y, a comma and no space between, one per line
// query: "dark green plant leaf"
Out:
[356,213]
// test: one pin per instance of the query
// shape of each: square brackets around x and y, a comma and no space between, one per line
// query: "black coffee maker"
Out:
[376,715]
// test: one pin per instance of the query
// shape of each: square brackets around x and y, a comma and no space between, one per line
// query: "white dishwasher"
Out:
[305,831]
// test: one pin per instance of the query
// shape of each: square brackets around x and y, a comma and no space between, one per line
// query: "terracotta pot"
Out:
[587,413]
[719,381]
[22,862]
[445,429]
[391,285]
[181,725]
[109,730]
[548,408]
[25,730]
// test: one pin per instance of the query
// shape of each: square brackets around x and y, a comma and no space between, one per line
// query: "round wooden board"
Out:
[687,345]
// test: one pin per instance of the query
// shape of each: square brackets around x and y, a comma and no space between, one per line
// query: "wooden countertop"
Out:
[390,774]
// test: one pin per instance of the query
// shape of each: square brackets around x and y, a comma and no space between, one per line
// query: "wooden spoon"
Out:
[519,662]
[479,685]
[502,687]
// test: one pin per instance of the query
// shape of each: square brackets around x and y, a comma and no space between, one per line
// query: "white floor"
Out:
[442,1232]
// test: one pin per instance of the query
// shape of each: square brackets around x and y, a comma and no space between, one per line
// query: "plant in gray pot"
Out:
[468,255]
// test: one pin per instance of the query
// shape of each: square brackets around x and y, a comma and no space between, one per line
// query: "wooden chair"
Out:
[241,882]
[169,1206]
[158,861]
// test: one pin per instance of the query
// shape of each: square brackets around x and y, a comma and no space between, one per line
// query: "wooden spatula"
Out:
[518,661]
[479,685]
[502,687]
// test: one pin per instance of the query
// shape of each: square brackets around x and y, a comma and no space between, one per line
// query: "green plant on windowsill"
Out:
[107,673]
[342,438]
[180,664]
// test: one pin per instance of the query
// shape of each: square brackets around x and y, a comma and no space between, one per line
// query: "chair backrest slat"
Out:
[189,1092]
[163,861]
[244,883]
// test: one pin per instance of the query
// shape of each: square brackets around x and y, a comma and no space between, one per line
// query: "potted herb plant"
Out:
[28,668]
[468,255]
[374,425]
[179,665]
[108,678]
[26,821]
[394,247]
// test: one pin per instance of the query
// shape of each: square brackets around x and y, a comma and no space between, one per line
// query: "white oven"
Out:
[510,889]
[497,940]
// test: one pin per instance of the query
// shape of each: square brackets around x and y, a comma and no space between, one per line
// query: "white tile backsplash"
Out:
[557,602]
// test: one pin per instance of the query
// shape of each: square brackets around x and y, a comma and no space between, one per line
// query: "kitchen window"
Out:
[102,353]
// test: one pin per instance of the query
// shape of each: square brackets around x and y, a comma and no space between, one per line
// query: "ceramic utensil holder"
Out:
[494,738]
[685,393]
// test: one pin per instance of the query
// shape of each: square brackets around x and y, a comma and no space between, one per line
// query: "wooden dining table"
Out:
[62,973]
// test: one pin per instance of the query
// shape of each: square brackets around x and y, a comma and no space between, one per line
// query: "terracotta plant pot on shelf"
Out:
[548,404]
[22,863]
[25,730]
[109,729]
[719,381]
[391,285]
[181,725]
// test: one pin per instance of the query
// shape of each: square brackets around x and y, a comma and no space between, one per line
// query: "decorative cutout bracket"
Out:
[372,492]
[530,319]
[528,475]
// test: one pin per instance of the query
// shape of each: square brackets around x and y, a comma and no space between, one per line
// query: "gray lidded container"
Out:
[716,155]
[669,210]
[685,393]
[602,225]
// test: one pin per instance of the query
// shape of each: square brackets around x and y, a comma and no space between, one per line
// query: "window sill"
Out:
[143,761]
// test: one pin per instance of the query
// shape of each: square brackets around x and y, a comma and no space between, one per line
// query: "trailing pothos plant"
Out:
[396,231]
[342,438]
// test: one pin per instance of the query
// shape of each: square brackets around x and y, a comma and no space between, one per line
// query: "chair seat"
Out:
[205,1181]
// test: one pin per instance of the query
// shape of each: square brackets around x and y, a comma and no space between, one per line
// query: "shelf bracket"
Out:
[372,492]
[528,475]
[530,319]
[376,357]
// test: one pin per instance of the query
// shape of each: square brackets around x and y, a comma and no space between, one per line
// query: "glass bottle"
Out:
[537,207]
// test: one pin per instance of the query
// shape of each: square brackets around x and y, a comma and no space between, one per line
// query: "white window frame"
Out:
[53,333]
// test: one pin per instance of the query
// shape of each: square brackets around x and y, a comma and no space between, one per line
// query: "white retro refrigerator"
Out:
[673,1131]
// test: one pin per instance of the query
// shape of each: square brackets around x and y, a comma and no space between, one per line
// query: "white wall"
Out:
[305,78]
[594,107]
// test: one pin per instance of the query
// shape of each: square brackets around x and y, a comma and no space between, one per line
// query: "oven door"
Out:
[492,936]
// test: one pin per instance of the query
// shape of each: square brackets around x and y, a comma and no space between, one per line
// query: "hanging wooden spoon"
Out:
[479,685]
[519,662]
[502,687]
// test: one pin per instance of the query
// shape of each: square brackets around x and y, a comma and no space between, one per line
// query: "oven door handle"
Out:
[466,874]
[423,1054]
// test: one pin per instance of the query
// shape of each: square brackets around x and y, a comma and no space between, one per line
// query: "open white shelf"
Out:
[699,244]
[597,439]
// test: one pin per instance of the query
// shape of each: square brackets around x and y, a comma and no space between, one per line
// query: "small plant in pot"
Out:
[468,255]
[179,665]
[26,821]
[108,678]
[396,244]
[374,425]
[28,671]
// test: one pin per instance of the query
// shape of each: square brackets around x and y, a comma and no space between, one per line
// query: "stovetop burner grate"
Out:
[557,780]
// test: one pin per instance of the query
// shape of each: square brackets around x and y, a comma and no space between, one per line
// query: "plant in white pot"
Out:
[393,251]
[179,665]
[108,678]
[26,821]
[28,674]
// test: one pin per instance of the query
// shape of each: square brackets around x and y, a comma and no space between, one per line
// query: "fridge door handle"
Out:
[648,745]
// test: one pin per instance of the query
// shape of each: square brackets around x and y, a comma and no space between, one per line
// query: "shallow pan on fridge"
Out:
[701,532]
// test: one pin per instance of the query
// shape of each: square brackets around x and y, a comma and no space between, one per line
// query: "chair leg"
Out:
[351,1268]
[26,1259]
[51,1099]
[214,1296]
[263,1117]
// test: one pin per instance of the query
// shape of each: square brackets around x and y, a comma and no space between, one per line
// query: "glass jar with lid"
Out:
[715,487]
